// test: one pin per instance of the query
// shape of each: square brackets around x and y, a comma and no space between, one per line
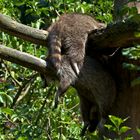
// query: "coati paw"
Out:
[89,127]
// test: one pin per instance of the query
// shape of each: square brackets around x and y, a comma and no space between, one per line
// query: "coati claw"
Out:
[75,68]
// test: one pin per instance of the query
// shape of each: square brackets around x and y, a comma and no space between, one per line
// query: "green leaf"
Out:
[7,111]
[110,127]
[19,3]
[137,34]
[10,99]
[4,98]
[22,138]
[115,120]
[129,138]
[138,130]
[124,129]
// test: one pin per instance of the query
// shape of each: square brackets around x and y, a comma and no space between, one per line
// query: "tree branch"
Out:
[23,59]
[22,31]
[120,34]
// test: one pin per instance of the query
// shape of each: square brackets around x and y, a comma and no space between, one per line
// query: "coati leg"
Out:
[66,78]
[64,85]
[85,112]
[58,93]
[95,118]
[85,107]
[44,82]
[90,114]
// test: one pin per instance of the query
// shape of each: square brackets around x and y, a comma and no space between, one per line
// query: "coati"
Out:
[68,37]
[96,90]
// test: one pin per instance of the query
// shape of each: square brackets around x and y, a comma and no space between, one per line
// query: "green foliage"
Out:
[133,52]
[116,125]
[5,98]
[26,109]
[118,128]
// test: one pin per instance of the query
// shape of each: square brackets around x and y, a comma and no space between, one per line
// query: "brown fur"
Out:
[68,36]
[96,90]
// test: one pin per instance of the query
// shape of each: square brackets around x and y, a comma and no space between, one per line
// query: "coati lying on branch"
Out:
[96,96]
[68,37]
[67,43]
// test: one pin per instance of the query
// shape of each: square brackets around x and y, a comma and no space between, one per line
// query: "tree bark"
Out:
[128,96]
[121,34]
[23,59]
[22,31]
[118,35]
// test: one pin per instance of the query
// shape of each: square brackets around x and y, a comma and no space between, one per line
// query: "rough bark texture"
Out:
[128,97]
[120,34]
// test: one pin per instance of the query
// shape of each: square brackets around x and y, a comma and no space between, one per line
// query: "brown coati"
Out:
[96,90]
[68,36]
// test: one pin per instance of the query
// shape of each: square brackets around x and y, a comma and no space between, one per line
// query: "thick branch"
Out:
[22,59]
[121,34]
[22,31]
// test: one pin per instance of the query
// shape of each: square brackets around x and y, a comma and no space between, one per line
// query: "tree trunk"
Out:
[128,97]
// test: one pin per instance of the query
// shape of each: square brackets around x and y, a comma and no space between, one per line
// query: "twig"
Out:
[7,69]
[16,99]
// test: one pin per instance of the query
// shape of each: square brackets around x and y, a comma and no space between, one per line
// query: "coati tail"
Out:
[55,53]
